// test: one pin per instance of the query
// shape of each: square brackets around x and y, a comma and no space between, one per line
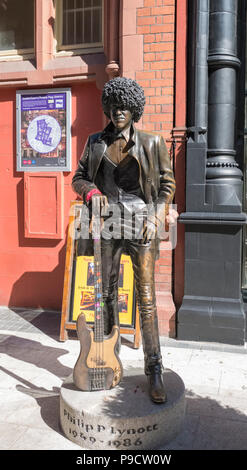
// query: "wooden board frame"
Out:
[66,323]
[58,212]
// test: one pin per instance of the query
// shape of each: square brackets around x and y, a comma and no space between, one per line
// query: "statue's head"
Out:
[124,94]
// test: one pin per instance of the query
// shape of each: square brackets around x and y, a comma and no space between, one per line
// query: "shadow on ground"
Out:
[33,352]
[208,424]
[211,427]
[49,324]
[41,356]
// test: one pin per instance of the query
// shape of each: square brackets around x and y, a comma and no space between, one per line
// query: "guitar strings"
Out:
[99,371]
[99,272]
[95,307]
[101,321]
[97,318]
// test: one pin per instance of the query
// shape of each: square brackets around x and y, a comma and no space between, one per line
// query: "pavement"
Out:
[34,363]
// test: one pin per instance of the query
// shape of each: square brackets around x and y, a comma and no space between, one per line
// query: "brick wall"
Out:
[156,23]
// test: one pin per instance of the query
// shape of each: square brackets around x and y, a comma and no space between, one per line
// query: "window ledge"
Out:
[11,66]
[62,69]
[75,61]
[16,57]
[79,51]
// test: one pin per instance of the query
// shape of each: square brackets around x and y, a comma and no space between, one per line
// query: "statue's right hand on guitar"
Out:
[99,206]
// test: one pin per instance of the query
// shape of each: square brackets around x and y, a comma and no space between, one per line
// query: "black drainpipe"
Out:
[212,307]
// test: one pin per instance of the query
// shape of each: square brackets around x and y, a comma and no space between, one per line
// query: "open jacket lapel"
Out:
[99,148]
[136,151]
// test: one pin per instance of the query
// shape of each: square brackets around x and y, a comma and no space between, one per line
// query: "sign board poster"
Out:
[83,298]
[43,131]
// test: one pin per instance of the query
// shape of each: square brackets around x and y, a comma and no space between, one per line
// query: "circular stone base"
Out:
[124,417]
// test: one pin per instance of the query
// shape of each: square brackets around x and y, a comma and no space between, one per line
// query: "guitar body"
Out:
[98,366]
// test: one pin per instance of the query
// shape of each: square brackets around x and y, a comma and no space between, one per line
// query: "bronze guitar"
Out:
[98,366]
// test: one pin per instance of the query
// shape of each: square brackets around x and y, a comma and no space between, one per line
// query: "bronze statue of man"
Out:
[129,168]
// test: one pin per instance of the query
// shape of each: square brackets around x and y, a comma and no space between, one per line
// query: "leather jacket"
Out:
[156,177]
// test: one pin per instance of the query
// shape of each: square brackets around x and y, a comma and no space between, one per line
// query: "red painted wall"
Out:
[32,270]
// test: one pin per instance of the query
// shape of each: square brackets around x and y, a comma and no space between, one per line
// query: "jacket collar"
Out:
[109,132]
[100,146]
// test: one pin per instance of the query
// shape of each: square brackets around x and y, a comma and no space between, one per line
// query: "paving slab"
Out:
[38,439]
[215,433]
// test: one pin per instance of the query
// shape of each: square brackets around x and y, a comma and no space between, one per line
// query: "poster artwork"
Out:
[44,134]
[84,289]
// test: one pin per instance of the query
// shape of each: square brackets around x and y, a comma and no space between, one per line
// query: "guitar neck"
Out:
[98,298]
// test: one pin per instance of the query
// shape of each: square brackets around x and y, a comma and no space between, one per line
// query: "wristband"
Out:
[91,193]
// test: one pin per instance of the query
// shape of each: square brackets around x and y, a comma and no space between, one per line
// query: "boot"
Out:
[156,386]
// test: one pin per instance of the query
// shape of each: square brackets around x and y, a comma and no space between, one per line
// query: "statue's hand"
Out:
[154,223]
[99,203]
[99,206]
[172,216]
[149,228]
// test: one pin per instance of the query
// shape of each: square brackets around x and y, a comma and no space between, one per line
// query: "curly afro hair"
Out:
[126,93]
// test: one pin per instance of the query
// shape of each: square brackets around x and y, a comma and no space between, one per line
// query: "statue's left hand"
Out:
[149,229]
[153,224]
[172,216]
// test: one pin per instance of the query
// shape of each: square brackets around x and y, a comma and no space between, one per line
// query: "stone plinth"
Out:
[122,418]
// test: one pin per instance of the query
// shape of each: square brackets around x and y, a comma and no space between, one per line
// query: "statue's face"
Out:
[121,118]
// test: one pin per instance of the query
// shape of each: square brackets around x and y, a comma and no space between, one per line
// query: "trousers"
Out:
[143,262]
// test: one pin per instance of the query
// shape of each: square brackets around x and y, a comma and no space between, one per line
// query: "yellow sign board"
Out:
[84,290]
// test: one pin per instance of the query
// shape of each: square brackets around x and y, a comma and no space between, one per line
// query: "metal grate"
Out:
[82,22]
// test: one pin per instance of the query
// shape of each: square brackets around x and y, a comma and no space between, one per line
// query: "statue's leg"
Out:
[143,260]
[111,251]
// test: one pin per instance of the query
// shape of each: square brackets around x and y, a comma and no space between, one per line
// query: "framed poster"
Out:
[43,129]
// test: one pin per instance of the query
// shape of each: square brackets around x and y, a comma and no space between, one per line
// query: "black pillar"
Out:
[212,308]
